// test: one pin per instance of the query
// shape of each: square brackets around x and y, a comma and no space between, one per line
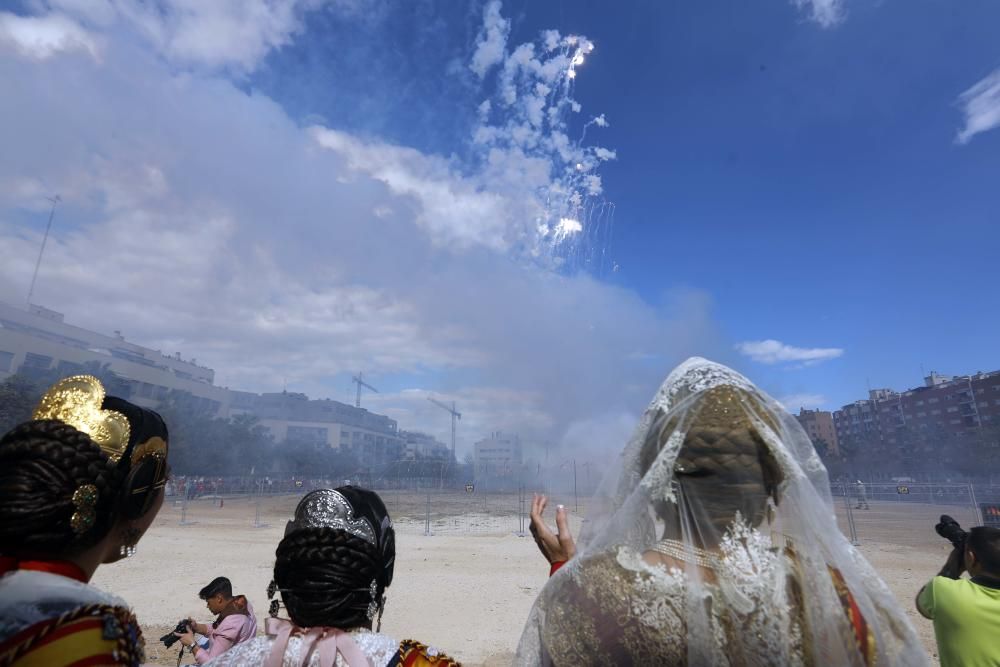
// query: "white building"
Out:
[423,446]
[373,439]
[498,455]
[38,339]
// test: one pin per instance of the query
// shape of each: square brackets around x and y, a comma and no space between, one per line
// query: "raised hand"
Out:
[556,547]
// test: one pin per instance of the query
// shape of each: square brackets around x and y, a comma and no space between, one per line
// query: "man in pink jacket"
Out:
[234,622]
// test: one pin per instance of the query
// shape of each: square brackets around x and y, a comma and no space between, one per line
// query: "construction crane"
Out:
[359,380]
[455,414]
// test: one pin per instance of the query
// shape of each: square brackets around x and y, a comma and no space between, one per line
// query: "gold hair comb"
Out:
[77,401]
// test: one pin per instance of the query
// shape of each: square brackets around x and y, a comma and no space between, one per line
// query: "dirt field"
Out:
[467,589]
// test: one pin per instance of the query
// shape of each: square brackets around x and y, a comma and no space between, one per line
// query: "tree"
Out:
[17,401]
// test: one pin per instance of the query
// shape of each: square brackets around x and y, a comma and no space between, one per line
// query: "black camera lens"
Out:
[950,530]
[170,638]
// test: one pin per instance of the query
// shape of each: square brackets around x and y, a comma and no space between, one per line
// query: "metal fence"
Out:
[476,511]
[890,513]
[905,513]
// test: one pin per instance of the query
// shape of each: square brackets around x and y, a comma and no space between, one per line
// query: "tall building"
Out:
[857,427]
[37,339]
[419,446]
[924,424]
[818,424]
[498,455]
[372,439]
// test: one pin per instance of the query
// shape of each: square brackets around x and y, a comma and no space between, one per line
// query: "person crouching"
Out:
[234,623]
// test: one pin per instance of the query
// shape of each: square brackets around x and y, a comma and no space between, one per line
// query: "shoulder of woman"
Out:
[96,634]
[415,654]
[27,597]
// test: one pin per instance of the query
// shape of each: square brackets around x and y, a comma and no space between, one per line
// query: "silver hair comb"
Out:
[327,508]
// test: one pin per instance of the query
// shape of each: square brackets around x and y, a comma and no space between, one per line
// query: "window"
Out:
[314,434]
[932,400]
[952,409]
[32,360]
[956,421]
[935,412]
[920,402]
[68,368]
[6,360]
[921,414]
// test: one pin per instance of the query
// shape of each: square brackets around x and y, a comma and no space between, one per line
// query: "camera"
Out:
[949,529]
[169,638]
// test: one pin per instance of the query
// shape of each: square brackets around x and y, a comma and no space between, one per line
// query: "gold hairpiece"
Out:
[85,501]
[77,401]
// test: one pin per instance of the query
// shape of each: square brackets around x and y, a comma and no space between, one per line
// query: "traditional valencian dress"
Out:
[714,542]
[305,649]
[48,612]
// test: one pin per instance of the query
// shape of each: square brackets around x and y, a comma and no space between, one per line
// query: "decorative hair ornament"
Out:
[76,401]
[373,605]
[155,446]
[85,502]
[327,508]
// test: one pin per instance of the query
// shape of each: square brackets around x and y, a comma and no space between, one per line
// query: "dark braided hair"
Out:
[325,574]
[42,463]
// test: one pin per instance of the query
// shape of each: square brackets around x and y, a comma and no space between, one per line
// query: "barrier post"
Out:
[427,515]
[850,519]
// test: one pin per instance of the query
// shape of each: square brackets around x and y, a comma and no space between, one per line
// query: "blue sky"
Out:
[808,178]
[319,201]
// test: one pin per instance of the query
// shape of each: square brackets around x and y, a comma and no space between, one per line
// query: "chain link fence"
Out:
[892,513]
[906,513]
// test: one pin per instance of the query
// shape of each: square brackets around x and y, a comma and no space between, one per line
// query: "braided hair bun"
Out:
[325,574]
[42,464]
[45,463]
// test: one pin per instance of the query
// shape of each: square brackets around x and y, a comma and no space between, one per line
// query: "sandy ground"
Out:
[466,590]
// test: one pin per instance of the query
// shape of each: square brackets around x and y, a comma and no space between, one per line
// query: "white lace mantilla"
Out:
[378,647]
[751,594]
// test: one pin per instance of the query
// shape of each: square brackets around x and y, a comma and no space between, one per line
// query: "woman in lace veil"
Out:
[714,542]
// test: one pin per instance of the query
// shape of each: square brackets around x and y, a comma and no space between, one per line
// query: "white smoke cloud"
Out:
[235,34]
[199,218]
[794,402]
[41,37]
[491,44]
[826,13]
[775,352]
[981,107]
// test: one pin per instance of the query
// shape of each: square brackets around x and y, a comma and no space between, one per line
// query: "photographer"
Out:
[966,612]
[234,623]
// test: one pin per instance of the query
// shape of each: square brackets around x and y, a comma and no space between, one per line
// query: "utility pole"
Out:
[52,213]
[359,380]
[455,414]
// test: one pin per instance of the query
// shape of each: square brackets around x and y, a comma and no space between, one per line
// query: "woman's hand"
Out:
[556,547]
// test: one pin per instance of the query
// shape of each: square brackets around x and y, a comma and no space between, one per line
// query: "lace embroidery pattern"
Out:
[379,648]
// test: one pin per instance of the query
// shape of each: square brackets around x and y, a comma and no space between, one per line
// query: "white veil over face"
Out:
[714,542]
